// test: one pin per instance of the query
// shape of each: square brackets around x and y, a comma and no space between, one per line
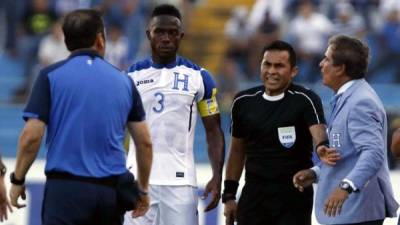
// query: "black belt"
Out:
[107,181]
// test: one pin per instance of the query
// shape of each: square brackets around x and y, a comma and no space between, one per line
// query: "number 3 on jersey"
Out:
[159,108]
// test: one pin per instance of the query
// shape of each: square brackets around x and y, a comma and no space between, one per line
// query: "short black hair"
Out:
[352,53]
[282,46]
[166,9]
[80,28]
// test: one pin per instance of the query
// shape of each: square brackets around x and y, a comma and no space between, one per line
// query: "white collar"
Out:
[273,98]
[345,86]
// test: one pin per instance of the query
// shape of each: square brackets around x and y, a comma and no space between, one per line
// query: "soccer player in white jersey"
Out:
[173,90]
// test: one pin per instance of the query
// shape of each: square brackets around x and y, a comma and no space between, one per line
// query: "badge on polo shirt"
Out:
[287,136]
[336,140]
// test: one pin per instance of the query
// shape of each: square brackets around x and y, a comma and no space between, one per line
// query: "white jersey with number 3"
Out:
[172,95]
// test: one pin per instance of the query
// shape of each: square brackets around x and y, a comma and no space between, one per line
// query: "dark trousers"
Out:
[74,202]
[375,222]
[274,203]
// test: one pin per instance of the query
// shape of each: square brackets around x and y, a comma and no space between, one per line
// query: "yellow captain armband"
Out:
[208,107]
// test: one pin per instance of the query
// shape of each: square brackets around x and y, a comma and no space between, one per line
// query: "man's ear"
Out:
[340,69]
[100,44]
[100,41]
[148,35]
[295,71]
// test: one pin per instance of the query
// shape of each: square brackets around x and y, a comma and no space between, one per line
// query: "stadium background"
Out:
[224,36]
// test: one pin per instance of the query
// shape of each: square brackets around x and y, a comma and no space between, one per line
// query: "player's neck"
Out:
[163,60]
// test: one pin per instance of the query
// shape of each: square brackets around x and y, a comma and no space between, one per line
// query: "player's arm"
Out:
[396,143]
[216,143]
[209,112]
[216,155]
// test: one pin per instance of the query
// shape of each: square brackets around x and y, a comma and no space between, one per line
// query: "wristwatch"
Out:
[346,186]
[3,171]
[15,181]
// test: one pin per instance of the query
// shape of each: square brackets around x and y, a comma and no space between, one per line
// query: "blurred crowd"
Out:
[307,24]
[31,32]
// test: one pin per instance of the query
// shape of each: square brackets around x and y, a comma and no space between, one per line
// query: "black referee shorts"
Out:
[275,204]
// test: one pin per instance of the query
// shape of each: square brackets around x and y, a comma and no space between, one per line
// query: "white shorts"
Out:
[169,205]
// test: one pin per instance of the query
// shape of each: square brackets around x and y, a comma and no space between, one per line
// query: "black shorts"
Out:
[274,203]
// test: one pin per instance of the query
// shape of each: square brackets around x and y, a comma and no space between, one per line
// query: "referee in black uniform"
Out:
[273,128]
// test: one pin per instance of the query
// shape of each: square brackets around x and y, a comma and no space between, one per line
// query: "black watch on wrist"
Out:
[15,181]
[346,186]
[3,171]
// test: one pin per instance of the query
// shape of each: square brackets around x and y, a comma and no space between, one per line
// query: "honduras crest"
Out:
[287,136]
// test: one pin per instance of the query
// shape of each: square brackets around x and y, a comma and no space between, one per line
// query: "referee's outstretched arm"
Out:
[234,168]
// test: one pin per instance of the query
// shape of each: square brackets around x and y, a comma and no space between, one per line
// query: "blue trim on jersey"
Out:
[208,81]
[209,84]
[185,62]
[147,63]
[141,65]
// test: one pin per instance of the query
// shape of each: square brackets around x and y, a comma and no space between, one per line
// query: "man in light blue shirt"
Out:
[353,181]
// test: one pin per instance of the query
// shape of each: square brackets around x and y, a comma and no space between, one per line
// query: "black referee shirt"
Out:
[278,142]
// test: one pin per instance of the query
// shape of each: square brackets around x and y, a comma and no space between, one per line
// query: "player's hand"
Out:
[142,207]
[4,203]
[333,205]
[303,179]
[213,187]
[328,156]
[17,191]
[230,212]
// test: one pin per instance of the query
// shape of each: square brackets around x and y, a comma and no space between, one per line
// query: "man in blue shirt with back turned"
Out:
[86,104]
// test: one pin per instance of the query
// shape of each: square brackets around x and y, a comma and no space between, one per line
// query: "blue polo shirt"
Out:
[86,103]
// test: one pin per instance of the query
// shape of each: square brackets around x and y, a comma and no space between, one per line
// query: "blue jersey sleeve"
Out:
[137,112]
[209,85]
[39,102]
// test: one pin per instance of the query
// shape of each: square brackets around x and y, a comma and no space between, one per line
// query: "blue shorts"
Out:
[76,202]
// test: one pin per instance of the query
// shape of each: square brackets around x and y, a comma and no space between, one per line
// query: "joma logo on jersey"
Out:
[144,82]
